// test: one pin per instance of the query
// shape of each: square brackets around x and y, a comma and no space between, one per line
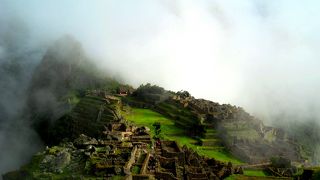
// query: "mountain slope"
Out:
[215,125]
[245,136]
[61,78]
[120,150]
[69,98]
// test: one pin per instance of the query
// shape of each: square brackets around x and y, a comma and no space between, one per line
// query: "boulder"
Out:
[84,141]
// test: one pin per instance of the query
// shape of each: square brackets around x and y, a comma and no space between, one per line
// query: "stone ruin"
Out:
[169,161]
[134,155]
[244,135]
[130,152]
[123,149]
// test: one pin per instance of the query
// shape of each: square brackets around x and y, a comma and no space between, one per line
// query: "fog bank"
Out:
[262,55]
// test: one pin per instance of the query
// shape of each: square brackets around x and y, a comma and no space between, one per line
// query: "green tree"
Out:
[157,127]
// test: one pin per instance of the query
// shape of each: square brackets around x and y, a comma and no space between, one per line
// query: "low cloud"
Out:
[261,55]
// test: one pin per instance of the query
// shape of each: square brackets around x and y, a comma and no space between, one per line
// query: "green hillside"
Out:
[97,128]
[170,131]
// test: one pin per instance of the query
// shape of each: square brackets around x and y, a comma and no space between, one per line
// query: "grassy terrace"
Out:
[146,117]
[184,115]
[251,174]
[258,173]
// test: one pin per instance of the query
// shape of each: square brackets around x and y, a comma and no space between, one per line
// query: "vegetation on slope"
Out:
[89,116]
[169,131]
[258,173]
[159,100]
[62,78]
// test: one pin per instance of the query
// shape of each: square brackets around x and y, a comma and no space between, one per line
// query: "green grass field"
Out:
[147,117]
[249,172]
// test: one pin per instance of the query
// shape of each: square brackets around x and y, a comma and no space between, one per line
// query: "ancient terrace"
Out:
[103,144]
[127,150]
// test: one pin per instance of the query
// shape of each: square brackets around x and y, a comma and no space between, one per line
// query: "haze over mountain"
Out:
[257,54]
[254,53]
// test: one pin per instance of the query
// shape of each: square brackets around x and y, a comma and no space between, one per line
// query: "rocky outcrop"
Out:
[55,162]
[84,140]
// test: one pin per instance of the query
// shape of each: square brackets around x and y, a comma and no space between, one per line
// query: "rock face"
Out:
[245,136]
[64,73]
[55,162]
[56,75]
[121,149]
[84,140]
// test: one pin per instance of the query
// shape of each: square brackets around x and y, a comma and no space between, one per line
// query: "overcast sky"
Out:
[259,54]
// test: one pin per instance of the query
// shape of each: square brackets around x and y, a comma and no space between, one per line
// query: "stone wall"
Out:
[127,166]
[165,175]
